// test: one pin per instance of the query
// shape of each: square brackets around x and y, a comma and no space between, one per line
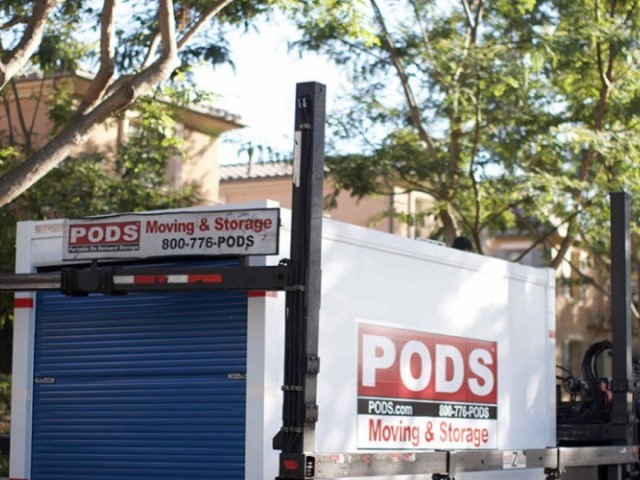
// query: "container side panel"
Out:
[530,413]
[430,331]
[22,367]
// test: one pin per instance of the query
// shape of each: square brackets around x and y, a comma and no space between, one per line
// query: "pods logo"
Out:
[399,363]
[103,233]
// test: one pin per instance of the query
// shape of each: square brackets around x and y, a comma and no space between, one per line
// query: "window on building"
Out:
[424,224]
[573,353]
[574,284]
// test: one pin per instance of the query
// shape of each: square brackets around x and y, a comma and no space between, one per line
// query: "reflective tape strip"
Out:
[149,279]
[211,278]
[23,303]
[123,279]
[177,278]
[163,279]
[262,293]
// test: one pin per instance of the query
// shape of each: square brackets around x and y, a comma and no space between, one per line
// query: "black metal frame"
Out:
[75,281]
[623,417]
[302,364]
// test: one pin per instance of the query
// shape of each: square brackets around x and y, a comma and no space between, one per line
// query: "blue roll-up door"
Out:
[142,386]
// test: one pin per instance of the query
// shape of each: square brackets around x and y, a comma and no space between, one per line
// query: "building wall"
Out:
[369,212]
[32,111]
[201,164]
[240,191]
[583,318]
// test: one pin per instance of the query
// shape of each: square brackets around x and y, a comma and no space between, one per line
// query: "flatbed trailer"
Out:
[611,448]
[448,464]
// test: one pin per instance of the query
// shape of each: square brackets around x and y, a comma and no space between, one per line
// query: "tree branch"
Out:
[18,19]
[478,19]
[496,214]
[30,171]
[207,15]
[13,60]
[414,111]
[37,107]
[469,225]
[630,12]
[124,92]
[7,110]
[471,36]
[468,14]
[151,52]
[544,238]
[588,278]
[606,79]
[427,45]
[21,120]
[449,225]
[472,161]
[414,185]
[448,222]
[102,79]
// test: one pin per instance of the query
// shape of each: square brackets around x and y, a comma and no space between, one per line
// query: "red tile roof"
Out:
[246,171]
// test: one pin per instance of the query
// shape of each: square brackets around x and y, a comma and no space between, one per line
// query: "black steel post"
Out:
[622,408]
[300,411]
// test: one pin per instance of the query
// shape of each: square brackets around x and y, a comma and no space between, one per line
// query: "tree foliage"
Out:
[511,114]
[130,45]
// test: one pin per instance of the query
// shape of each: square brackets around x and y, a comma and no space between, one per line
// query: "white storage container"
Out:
[421,347]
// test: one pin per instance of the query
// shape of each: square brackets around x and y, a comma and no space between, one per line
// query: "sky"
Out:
[262,88]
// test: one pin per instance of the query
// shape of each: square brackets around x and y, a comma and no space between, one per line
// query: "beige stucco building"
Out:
[254,181]
[26,117]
